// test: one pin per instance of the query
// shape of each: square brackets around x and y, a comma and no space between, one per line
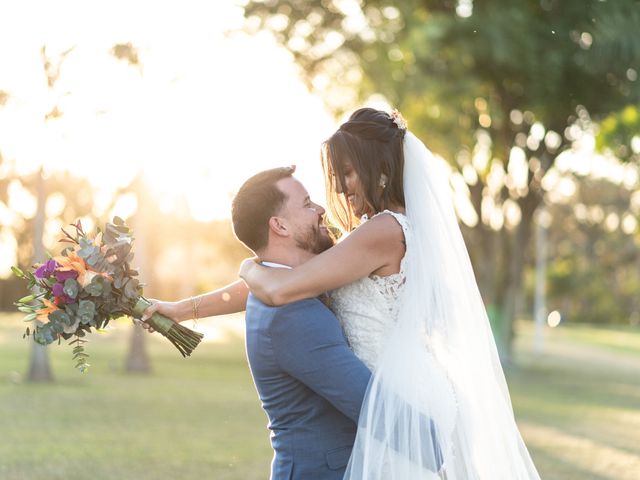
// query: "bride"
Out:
[402,286]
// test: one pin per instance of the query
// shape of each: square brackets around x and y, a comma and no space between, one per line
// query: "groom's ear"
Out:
[278,226]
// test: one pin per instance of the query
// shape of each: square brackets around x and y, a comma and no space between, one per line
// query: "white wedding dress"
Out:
[368,312]
[425,334]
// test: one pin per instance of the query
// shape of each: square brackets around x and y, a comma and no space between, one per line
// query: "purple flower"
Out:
[46,269]
[64,299]
[58,292]
[61,276]
[58,289]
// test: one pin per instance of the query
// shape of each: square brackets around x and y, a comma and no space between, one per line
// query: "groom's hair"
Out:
[256,202]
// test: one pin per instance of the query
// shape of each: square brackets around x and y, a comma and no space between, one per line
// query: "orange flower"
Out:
[74,262]
[43,313]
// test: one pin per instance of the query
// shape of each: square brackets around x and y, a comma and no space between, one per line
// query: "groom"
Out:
[310,383]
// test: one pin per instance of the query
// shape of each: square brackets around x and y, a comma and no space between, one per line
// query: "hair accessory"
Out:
[383,180]
[399,120]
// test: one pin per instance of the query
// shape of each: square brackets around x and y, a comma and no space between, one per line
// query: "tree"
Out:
[594,254]
[73,196]
[499,90]
[39,368]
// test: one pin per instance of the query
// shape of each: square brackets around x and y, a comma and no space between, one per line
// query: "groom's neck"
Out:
[291,257]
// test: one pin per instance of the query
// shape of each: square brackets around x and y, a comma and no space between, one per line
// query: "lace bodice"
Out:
[368,308]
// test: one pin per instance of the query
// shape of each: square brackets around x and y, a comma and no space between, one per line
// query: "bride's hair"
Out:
[372,142]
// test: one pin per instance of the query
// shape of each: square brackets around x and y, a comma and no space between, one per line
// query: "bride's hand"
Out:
[247,265]
[168,309]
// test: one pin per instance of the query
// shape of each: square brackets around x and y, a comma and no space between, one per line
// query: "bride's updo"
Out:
[371,140]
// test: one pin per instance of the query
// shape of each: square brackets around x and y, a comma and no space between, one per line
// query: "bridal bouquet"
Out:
[88,285]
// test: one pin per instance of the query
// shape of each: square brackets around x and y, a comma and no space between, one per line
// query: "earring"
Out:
[383,180]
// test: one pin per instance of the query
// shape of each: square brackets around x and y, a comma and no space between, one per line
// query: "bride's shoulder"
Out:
[386,225]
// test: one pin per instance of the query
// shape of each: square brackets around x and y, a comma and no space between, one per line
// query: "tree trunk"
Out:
[39,368]
[138,359]
[517,259]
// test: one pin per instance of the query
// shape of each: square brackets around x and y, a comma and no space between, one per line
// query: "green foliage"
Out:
[547,58]
[593,272]
[79,354]
[618,132]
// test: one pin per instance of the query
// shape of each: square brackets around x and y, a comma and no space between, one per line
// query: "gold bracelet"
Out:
[194,308]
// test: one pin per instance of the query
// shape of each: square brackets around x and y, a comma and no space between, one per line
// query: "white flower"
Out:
[399,120]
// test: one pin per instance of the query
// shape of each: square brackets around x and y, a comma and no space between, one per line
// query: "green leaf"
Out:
[87,248]
[44,335]
[71,287]
[83,367]
[27,299]
[94,258]
[86,311]
[25,309]
[131,289]
[60,317]
[56,327]
[95,288]
[31,317]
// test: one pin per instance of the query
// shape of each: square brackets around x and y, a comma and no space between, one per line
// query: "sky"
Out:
[208,107]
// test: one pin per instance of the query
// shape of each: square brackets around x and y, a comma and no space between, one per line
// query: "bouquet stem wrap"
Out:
[184,339]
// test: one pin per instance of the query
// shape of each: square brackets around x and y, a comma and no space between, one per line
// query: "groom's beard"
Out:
[314,240]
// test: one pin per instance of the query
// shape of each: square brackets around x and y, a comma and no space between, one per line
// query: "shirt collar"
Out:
[275,265]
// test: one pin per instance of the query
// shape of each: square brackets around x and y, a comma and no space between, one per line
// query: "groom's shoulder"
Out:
[310,308]
[307,304]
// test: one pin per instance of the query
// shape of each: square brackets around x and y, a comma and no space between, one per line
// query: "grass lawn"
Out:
[577,406]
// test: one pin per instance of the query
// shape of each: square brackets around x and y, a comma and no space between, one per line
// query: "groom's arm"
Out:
[309,345]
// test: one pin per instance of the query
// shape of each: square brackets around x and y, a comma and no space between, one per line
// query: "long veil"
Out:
[437,406]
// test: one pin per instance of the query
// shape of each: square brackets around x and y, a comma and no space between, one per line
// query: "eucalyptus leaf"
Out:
[95,287]
[71,309]
[71,287]
[106,289]
[70,329]
[31,317]
[94,258]
[87,249]
[57,327]
[86,311]
[131,289]
[44,335]
[60,316]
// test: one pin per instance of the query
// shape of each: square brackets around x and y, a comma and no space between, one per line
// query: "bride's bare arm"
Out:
[376,244]
[229,299]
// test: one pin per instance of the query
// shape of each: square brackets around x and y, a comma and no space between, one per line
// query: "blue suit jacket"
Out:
[311,386]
